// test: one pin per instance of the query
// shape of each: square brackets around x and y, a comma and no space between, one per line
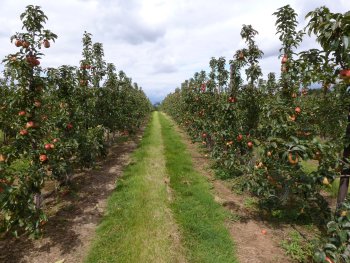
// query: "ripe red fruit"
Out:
[23,132]
[55,140]
[231,99]
[284,59]
[48,146]
[37,103]
[22,113]
[36,62]
[239,137]
[344,74]
[30,124]
[32,61]
[69,126]
[46,43]
[264,232]
[204,135]
[43,158]
[25,44]
[18,43]
[203,87]
[298,110]
[250,145]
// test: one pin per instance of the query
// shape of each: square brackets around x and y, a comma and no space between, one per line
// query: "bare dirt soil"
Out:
[73,214]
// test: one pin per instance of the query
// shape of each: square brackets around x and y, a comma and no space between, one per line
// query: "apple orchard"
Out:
[265,132]
[56,120]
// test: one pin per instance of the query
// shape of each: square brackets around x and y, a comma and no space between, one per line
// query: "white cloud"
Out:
[159,43]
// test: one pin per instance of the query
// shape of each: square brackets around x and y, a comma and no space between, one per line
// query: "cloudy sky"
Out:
[159,43]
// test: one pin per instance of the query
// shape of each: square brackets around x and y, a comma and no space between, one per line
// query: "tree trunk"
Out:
[344,178]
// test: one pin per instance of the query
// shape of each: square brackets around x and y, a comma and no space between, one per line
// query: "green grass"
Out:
[200,218]
[296,247]
[146,221]
[311,166]
[139,226]
[333,188]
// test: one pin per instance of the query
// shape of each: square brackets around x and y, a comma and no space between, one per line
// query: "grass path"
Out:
[148,221]
[139,226]
[201,219]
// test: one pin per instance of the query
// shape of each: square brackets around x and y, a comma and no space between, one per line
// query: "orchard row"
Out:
[266,131]
[55,120]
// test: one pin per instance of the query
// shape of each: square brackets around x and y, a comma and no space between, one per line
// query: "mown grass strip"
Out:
[199,217]
[139,226]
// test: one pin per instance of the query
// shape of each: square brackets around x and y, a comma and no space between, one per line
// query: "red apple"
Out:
[18,43]
[55,140]
[25,44]
[250,144]
[30,124]
[298,110]
[37,103]
[344,74]
[239,137]
[31,60]
[22,113]
[69,126]
[23,132]
[46,43]
[231,99]
[284,59]
[264,232]
[48,146]
[204,135]
[43,158]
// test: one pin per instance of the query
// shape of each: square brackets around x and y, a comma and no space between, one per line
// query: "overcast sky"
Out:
[159,43]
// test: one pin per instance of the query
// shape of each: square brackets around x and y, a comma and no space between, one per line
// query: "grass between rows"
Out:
[147,223]
[200,218]
[139,226]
